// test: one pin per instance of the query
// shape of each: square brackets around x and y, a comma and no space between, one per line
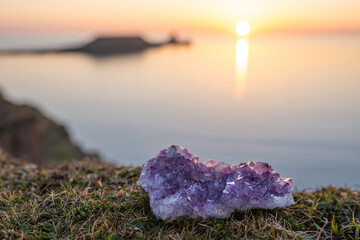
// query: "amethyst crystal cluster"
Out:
[179,185]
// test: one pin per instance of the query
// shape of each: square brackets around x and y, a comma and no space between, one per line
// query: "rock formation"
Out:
[27,134]
[103,46]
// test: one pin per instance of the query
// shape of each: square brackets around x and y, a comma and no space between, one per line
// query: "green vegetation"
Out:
[92,201]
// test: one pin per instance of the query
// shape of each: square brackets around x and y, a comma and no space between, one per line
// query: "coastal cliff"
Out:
[27,134]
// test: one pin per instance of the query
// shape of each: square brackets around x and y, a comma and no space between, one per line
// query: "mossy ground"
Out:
[91,201]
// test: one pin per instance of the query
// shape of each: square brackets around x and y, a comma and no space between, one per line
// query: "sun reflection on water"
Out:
[242,54]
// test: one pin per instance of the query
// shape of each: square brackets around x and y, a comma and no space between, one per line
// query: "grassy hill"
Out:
[94,201]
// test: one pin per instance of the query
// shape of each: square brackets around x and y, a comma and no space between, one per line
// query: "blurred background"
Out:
[236,81]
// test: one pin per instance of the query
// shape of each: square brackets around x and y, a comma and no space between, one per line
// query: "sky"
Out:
[220,16]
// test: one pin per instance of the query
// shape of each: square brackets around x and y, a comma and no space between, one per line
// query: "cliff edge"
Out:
[27,134]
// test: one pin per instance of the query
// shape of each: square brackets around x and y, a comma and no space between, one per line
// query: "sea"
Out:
[292,101]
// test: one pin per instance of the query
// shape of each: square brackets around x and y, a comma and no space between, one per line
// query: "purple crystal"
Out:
[178,185]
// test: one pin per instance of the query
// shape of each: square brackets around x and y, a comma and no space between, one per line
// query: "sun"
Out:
[243,28]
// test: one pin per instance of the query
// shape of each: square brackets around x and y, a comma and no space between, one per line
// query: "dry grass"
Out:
[90,201]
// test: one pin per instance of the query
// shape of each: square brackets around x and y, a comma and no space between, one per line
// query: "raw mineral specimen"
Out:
[179,185]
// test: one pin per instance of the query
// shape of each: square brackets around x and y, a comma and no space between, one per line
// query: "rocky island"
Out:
[101,46]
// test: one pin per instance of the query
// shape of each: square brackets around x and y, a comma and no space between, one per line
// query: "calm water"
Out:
[291,101]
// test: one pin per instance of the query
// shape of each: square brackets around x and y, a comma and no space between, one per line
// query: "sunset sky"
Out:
[110,16]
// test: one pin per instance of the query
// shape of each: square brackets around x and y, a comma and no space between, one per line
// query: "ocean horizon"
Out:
[291,101]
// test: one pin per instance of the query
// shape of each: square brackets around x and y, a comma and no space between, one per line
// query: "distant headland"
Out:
[109,46]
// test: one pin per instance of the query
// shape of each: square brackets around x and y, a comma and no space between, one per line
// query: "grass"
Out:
[91,201]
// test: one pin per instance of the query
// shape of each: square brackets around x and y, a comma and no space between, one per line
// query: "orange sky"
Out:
[185,15]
